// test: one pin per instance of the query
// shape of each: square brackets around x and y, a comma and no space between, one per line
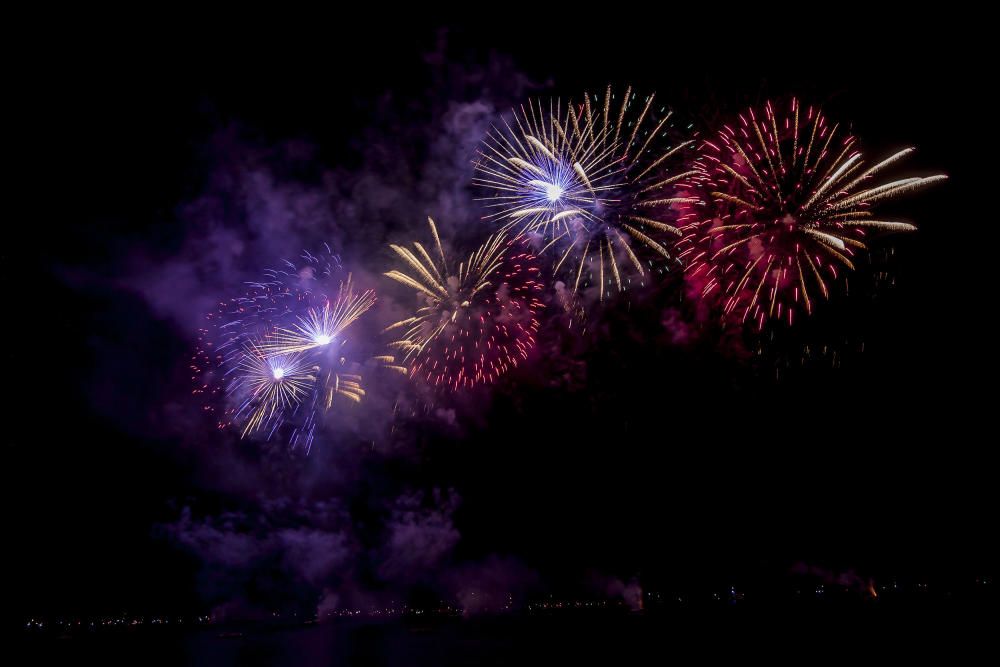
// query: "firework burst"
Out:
[323,325]
[784,204]
[266,387]
[587,180]
[477,318]
[274,357]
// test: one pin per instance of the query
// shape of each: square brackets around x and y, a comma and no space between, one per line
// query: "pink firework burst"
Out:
[784,205]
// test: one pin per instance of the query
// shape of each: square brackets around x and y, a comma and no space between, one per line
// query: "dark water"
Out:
[705,638]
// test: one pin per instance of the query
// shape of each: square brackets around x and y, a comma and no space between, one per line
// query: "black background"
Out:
[679,466]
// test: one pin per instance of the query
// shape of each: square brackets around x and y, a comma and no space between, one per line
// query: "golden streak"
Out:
[648,241]
[578,168]
[662,226]
[802,282]
[669,200]
[736,200]
[874,169]
[527,166]
[410,282]
[881,224]
[888,190]
[541,147]
[830,181]
[832,251]
[826,238]
[670,180]
[579,271]
[417,265]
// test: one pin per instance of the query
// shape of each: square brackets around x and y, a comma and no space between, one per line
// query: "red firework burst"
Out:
[476,320]
[784,204]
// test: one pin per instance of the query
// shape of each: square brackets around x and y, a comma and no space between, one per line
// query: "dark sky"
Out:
[679,465]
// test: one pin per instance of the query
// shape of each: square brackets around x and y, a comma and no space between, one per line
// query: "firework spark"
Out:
[477,319]
[323,325]
[587,180]
[783,207]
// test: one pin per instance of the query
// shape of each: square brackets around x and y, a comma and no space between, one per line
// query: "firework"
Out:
[785,204]
[273,358]
[323,325]
[588,181]
[477,319]
[266,387]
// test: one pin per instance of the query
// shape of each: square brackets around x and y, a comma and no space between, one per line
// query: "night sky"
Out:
[163,171]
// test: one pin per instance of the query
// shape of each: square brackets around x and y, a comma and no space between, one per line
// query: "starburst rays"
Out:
[589,181]
[784,207]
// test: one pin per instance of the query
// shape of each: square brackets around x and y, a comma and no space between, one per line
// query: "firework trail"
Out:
[783,204]
[477,318]
[272,360]
[588,181]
